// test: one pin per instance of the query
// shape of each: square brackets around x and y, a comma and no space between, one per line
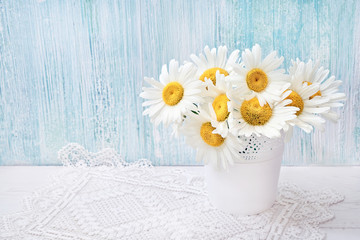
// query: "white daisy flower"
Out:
[219,103]
[251,118]
[171,98]
[214,61]
[260,78]
[305,96]
[211,147]
[329,87]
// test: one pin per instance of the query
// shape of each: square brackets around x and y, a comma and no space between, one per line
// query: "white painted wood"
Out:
[342,234]
[18,182]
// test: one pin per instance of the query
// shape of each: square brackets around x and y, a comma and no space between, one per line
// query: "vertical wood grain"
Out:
[71,71]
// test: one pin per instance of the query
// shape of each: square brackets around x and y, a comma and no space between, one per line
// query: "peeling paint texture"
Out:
[72,71]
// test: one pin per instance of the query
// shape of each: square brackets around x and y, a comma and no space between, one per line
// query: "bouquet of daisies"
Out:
[216,100]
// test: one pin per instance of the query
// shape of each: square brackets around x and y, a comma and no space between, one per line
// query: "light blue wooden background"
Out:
[71,71]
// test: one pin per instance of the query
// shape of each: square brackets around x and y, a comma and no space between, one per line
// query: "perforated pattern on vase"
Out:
[255,147]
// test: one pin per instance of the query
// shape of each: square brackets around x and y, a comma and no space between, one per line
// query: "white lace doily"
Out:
[115,200]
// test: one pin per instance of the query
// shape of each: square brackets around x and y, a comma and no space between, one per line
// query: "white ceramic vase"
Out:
[249,186]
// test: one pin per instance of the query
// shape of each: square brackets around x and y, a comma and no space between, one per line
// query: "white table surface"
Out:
[18,182]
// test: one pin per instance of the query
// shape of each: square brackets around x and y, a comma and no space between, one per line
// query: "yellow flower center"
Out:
[296,102]
[213,139]
[220,107]
[254,114]
[318,93]
[211,74]
[172,93]
[256,80]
